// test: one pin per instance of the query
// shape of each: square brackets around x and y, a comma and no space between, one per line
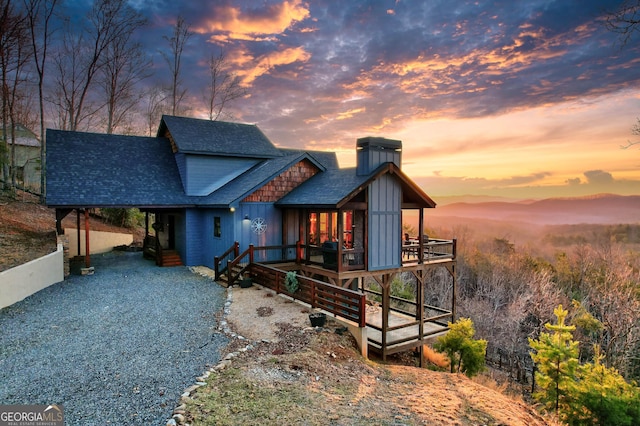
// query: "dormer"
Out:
[210,154]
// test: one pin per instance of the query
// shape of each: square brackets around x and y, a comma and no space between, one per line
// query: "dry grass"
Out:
[319,378]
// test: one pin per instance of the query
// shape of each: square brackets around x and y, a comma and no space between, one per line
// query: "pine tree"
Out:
[605,396]
[556,357]
[465,354]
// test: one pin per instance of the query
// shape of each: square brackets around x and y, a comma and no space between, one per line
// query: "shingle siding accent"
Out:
[284,183]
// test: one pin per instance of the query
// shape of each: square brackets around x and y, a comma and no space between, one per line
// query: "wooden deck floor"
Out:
[401,339]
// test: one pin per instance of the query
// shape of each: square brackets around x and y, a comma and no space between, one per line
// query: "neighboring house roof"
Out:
[24,137]
[334,188]
[196,136]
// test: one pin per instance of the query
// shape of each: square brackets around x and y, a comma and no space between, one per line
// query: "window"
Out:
[323,226]
[217,228]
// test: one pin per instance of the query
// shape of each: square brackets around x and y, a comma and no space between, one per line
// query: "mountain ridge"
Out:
[598,208]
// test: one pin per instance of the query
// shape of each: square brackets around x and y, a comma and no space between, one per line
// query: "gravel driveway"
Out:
[116,347]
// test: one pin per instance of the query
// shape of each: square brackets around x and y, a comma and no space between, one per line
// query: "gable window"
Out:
[217,228]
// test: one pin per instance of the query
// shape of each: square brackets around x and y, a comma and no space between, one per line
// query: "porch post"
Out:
[340,241]
[421,236]
[78,229]
[420,283]
[87,257]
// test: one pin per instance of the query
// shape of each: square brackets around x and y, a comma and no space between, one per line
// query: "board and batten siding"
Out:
[271,216]
[205,174]
[202,245]
[385,227]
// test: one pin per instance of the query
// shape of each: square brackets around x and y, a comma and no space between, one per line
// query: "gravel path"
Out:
[116,347]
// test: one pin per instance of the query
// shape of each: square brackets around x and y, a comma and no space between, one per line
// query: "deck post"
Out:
[420,274]
[250,254]
[386,300]
[453,292]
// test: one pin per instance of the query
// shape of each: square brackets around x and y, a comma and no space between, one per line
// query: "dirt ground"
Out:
[344,388]
[28,229]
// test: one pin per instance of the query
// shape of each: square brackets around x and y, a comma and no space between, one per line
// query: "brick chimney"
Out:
[372,152]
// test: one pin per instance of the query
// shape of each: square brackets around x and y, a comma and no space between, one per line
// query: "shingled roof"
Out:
[99,170]
[196,136]
[333,188]
[245,184]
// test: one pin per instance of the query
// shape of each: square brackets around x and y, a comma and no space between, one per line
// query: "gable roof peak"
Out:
[207,137]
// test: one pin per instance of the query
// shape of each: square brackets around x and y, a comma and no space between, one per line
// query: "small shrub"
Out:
[291,282]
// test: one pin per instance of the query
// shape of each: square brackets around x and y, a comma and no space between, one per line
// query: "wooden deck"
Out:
[403,331]
[361,297]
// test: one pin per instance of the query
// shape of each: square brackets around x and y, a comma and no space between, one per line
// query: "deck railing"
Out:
[342,302]
[432,314]
[220,262]
[432,249]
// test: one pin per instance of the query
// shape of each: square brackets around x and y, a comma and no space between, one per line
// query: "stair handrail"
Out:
[232,278]
[217,260]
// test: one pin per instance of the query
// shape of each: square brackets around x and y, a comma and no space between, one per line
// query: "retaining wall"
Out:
[99,242]
[24,280]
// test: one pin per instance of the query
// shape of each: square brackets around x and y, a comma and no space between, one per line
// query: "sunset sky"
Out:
[523,99]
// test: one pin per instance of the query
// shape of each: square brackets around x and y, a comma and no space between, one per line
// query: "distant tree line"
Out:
[510,294]
[514,300]
[85,73]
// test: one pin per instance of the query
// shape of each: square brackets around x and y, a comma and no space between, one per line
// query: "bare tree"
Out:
[156,99]
[125,66]
[39,15]
[224,86]
[177,42]
[635,130]
[625,20]
[83,56]
[14,55]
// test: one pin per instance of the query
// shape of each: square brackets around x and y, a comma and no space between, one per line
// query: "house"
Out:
[222,195]
[27,157]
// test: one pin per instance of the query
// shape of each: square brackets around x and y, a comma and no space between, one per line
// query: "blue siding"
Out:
[205,174]
[272,218]
[385,227]
[202,245]
[181,235]
[181,162]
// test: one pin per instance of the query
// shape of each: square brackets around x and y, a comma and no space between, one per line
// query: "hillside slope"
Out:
[28,229]
[295,374]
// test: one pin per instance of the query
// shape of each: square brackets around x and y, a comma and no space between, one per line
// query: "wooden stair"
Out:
[170,258]
[224,277]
